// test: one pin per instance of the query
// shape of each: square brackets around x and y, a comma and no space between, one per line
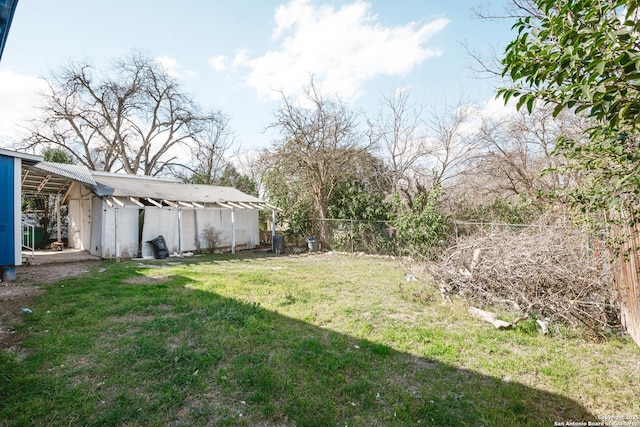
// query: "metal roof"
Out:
[47,178]
[144,190]
[75,172]
[7,9]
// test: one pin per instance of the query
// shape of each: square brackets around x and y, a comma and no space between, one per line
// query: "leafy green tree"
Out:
[57,155]
[296,204]
[583,55]
[353,200]
[422,227]
[230,177]
[364,212]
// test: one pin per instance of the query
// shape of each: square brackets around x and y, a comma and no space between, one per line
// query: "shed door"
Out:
[7,212]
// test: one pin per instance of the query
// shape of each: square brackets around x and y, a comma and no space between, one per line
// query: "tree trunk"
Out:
[324,227]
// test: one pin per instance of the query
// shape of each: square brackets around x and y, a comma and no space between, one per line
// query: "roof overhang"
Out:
[27,159]
[46,178]
[151,202]
[7,9]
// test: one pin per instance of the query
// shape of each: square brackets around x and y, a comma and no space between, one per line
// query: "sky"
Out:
[237,55]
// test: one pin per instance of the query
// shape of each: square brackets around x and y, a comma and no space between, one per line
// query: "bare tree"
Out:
[399,133]
[320,143]
[423,149]
[453,140]
[133,119]
[487,63]
[518,154]
[212,150]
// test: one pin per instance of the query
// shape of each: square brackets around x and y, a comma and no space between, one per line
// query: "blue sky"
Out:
[231,55]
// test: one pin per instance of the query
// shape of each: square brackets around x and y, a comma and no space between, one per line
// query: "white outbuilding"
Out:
[117,215]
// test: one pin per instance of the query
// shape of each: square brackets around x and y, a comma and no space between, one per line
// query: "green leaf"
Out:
[558,109]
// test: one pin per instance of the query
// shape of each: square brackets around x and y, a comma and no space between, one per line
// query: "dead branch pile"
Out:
[546,271]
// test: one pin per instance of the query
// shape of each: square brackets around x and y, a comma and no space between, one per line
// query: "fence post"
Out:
[351,235]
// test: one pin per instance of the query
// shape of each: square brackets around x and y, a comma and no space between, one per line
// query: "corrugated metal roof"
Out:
[125,186]
[76,172]
[48,178]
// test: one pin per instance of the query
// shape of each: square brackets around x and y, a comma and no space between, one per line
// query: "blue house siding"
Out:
[7,211]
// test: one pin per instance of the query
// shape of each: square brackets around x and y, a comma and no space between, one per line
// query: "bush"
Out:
[211,236]
[422,228]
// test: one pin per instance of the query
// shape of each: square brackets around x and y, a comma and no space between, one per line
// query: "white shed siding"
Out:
[79,215]
[127,232]
[165,222]
[84,215]
[160,222]
[92,226]
[97,212]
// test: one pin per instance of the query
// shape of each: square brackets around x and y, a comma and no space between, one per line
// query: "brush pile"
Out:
[551,272]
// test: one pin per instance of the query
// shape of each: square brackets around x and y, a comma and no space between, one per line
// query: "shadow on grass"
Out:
[111,352]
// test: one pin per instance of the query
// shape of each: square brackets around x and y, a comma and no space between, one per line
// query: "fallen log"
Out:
[492,318]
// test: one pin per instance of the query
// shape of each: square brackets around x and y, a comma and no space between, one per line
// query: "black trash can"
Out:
[160,250]
[278,244]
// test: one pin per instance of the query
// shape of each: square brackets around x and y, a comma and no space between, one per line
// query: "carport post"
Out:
[180,231]
[58,219]
[233,231]
[115,222]
[273,230]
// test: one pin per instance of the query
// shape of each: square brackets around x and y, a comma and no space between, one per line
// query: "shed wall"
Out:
[157,221]
[10,219]
[165,222]
[92,227]
[97,213]
[81,205]
[122,222]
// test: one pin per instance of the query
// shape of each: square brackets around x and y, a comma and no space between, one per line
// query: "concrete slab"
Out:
[53,257]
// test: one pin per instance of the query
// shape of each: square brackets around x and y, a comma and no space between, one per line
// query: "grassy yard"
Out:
[319,340]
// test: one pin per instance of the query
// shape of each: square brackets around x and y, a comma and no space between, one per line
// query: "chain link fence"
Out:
[371,237]
[379,237]
[344,235]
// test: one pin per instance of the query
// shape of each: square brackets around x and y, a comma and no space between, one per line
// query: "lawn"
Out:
[317,340]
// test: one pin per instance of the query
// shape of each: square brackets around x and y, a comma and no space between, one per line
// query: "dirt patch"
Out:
[49,273]
[16,295]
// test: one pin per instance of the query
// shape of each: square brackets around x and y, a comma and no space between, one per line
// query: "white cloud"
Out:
[173,68]
[241,59]
[218,62]
[18,100]
[495,109]
[341,47]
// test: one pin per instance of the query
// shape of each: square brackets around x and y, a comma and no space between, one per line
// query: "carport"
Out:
[11,164]
[50,179]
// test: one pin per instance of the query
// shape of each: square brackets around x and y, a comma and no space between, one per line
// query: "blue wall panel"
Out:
[7,212]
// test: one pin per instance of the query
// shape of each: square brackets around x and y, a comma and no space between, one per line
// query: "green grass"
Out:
[307,341]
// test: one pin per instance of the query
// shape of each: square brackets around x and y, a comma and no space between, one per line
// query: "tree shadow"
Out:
[198,358]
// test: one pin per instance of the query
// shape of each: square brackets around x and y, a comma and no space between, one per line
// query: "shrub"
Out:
[211,236]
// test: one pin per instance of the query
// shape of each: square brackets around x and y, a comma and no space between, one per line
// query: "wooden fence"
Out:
[626,278]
